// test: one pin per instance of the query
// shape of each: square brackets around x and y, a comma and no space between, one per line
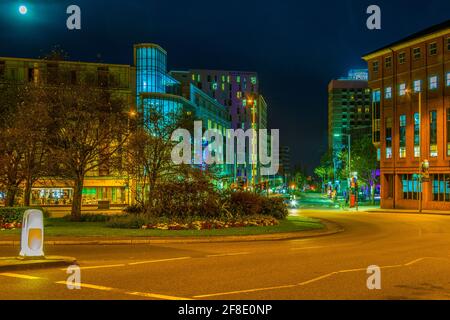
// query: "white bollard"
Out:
[32,244]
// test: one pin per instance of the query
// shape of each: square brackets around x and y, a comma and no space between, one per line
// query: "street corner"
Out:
[21,263]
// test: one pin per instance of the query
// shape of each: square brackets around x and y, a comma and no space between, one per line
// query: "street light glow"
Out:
[23,10]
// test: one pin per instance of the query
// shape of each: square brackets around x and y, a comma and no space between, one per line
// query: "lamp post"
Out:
[251,104]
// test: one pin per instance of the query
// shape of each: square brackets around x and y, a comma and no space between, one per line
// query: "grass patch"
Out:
[59,227]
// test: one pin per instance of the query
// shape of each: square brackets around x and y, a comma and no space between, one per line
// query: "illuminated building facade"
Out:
[410,80]
[145,85]
[349,110]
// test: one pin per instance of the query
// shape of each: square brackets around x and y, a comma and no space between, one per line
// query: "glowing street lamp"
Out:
[23,10]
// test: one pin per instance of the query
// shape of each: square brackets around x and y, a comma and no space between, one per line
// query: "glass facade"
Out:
[441,187]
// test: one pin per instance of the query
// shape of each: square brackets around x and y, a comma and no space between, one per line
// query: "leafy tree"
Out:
[87,132]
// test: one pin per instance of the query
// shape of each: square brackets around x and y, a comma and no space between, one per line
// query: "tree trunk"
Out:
[77,198]
[27,191]
[10,196]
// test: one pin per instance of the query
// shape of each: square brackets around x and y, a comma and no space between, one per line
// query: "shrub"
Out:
[245,203]
[274,207]
[90,217]
[15,214]
[134,209]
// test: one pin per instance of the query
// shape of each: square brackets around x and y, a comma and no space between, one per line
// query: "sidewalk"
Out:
[406,211]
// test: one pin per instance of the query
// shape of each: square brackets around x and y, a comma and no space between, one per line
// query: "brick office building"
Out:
[412,69]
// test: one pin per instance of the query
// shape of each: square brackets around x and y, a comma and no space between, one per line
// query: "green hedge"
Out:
[10,215]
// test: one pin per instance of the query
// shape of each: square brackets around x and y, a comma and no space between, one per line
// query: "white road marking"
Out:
[311,280]
[19,276]
[156,296]
[156,261]
[227,254]
[86,285]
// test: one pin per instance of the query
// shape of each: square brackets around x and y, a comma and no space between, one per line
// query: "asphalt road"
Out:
[413,252]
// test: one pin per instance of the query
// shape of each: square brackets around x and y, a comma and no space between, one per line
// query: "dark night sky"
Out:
[297,47]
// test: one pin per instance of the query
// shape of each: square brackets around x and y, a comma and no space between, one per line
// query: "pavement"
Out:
[412,251]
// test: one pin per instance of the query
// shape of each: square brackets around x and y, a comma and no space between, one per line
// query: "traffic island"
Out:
[20,263]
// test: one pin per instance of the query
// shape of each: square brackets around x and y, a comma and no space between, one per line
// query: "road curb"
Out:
[408,212]
[330,229]
[15,264]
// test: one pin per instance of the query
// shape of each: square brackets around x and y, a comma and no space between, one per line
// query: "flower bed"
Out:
[214,224]
[10,226]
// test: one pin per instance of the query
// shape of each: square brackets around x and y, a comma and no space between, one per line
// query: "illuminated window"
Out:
[199,79]
[402,89]
[417,85]
[238,79]
[432,48]
[447,81]
[401,58]
[388,93]
[239,94]
[388,135]
[375,66]
[441,187]
[416,135]
[433,82]
[402,140]
[388,62]
[416,53]
[193,77]
[223,78]
[223,86]
[448,132]
[254,80]
[214,86]
[411,186]
[433,134]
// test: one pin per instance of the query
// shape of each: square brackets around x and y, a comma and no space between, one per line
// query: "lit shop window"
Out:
[441,187]
[433,82]
[411,187]
[402,89]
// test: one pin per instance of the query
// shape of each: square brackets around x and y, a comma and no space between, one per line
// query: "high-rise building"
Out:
[349,110]
[239,91]
[410,80]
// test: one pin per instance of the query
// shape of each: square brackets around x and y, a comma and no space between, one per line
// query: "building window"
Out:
[448,132]
[417,86]
[388,93]
[447,81]
[416,53]
[375,66]
[388,135]
[441,187]
[433,82]
[402,138]
[402,89]
[416,135]
[238,79]
[433,134]
[253,80]
[401,58]
[448,44]
[388,62]
[411,186]
[193,77]
[432,48]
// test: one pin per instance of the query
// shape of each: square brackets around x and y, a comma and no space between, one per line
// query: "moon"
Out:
[23,10]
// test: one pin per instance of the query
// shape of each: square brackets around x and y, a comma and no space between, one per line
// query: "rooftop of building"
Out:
[443,27]
[37,60]
[347,84]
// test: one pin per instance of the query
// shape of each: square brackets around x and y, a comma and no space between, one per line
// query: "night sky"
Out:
[297,47]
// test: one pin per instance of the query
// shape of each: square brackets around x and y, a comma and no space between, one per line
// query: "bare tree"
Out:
[87,131]
[150,147]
